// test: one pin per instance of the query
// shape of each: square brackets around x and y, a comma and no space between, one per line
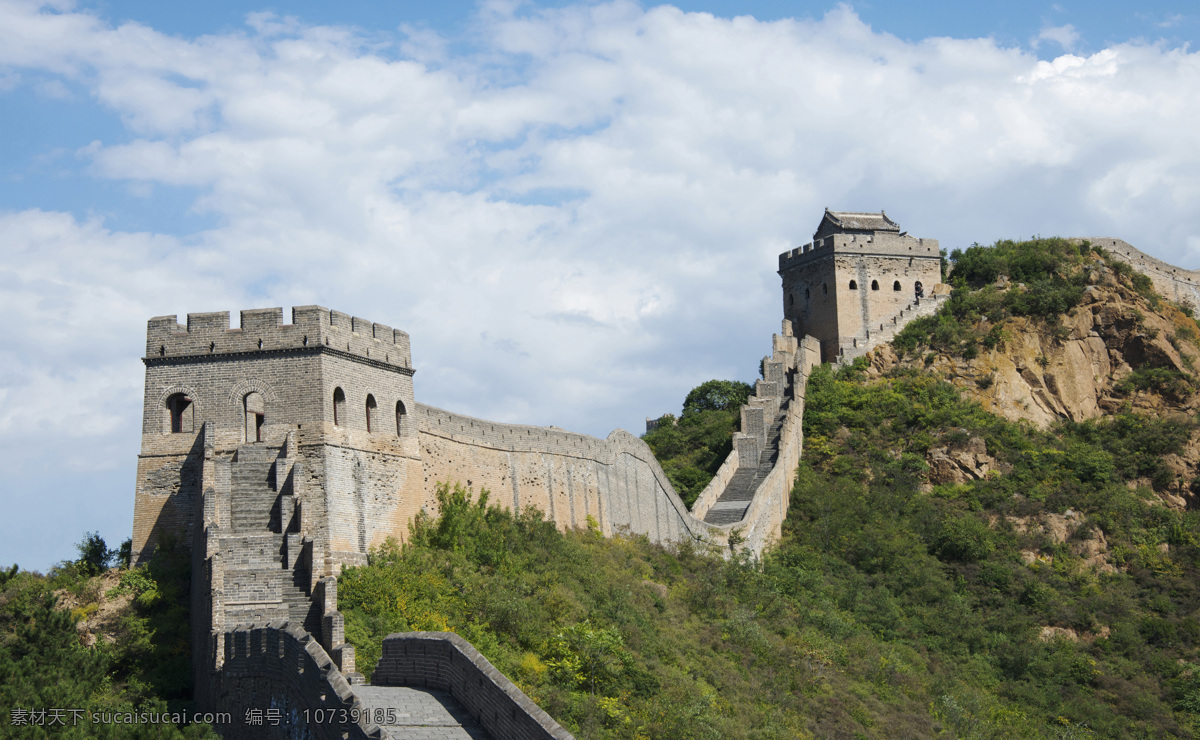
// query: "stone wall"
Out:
[280,472]
[263,329]
[282,669]
[446,662]
[1173,283]
[762,523]
[569,477]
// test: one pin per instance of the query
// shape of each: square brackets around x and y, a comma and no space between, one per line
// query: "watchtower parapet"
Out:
[263,330]
[883,244]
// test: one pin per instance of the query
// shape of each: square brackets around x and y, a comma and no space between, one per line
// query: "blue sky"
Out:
[574,208]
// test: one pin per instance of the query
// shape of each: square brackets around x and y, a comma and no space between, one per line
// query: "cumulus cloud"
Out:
[576,216]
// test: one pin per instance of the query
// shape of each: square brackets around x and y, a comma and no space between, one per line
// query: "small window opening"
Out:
[874,285]
[853,285]
[255,415]
[896,285]
[791,299]
[339,407]
[179,406]
[806,296]
[401,419]
[824,289]
[370,413]
[919,290]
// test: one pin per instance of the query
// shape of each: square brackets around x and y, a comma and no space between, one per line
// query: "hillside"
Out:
[111,643]
[1101,343]
[954,563]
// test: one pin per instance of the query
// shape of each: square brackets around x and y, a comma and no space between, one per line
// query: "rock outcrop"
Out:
[1045,375]
[1093,361]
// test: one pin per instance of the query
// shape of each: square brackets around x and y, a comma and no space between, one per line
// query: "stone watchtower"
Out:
[858,278]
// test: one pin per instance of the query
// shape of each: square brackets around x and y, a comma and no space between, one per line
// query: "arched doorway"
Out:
[180,411]
[919,290]
[255,415]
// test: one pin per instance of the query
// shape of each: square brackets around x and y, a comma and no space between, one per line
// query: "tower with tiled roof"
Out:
[857,275]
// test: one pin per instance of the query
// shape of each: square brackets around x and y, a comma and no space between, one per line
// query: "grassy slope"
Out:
[143,664]
[884,612]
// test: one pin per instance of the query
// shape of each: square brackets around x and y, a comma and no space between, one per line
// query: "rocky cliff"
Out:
[1121,348]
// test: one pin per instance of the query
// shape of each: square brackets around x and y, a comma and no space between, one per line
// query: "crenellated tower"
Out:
[856,279]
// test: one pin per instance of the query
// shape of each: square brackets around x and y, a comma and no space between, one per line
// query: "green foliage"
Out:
[883,612]
[124,554]
[692,448]
[717,395]
[1034,261]
[582,656]
[1162,380]
[94,555]
[45,665]
[1046,278]
[947,569]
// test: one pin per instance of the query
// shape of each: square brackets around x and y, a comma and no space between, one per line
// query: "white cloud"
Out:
[1065,36]
[577,220]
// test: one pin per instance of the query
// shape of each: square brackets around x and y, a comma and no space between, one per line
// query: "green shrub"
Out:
[690,449]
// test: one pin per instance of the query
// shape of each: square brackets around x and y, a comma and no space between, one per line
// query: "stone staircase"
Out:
[260,553]
[739,492]
[849,349]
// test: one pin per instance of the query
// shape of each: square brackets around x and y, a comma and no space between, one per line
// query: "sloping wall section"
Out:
[617,482]
[1171,282]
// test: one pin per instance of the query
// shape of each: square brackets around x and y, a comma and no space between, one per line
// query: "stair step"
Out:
[257,453]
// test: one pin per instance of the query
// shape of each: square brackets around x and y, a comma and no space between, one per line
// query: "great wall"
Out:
[280,453]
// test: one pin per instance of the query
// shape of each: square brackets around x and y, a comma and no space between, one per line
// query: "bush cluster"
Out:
[146,667]
[692,447]
[1044,279]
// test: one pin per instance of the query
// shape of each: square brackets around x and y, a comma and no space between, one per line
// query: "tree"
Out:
[717,395]
[94,555]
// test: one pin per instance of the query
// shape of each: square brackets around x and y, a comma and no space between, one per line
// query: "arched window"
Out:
[179,408]
[339,407]
[853,285]
[401,419]
[919,290]
[370,413]
[896,285]
[252,404]
[874,285]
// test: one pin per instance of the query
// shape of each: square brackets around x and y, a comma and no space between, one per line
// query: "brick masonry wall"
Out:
[366,469]
[352,486]
[284,669]
[447,662]
[568,476]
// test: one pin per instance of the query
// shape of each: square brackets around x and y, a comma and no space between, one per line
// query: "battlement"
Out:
[263,330]
[879,244]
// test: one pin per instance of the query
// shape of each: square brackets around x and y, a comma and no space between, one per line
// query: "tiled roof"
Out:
[856,220]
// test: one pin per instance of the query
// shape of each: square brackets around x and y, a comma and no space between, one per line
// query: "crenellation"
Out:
[262,330]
